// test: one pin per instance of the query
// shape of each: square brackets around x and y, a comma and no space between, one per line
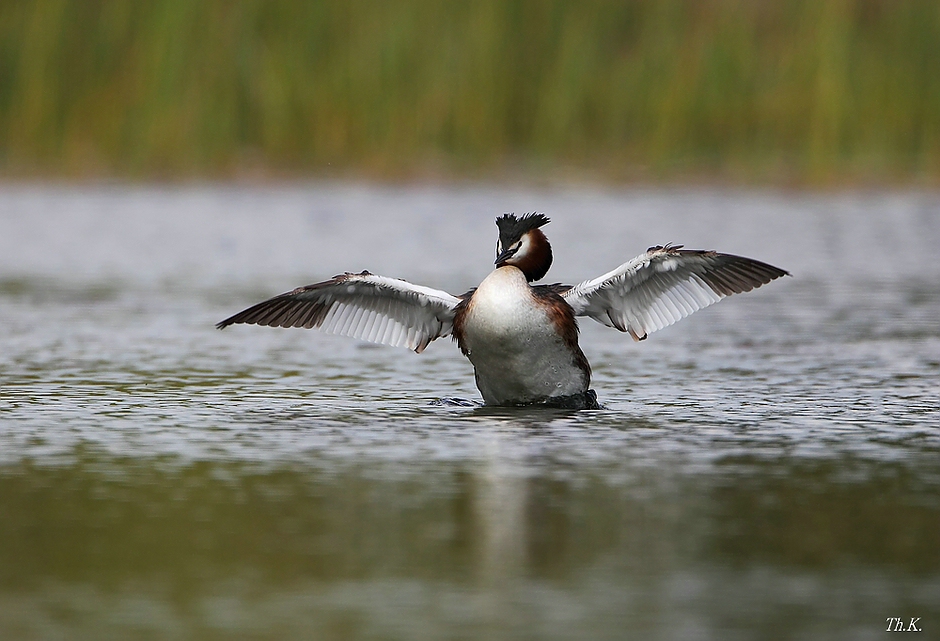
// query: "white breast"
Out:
[515,348]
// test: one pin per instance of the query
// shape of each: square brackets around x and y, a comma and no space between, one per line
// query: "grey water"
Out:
[767,468]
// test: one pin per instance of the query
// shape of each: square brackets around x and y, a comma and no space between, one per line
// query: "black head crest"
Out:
[512,228]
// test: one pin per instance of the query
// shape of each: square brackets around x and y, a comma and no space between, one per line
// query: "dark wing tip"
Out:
[241,317]
[285,310]
[764,272]
[736,274]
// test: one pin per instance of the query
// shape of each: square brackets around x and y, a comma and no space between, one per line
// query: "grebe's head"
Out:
[522,244]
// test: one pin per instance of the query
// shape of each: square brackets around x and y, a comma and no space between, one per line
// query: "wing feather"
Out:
[375,308]
[664,285]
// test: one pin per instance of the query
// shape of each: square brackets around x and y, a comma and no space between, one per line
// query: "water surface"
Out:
[767,468]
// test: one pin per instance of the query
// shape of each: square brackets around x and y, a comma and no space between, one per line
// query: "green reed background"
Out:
[755,91]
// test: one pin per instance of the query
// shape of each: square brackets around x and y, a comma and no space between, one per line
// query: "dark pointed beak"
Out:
[506,255]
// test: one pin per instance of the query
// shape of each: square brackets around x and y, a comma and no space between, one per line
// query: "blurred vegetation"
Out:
[801,91]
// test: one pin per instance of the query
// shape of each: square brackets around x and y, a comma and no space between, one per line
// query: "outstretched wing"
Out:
[664,285]
[375,308]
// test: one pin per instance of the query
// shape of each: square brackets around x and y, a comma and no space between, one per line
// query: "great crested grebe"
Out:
[522,339]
